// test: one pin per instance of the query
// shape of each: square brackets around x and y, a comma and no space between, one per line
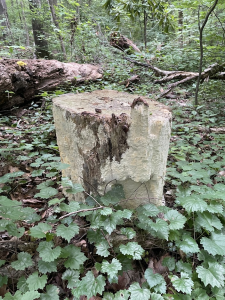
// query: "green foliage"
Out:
[190,231]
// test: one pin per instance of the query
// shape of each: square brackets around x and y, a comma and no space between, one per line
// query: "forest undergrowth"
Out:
[54,249]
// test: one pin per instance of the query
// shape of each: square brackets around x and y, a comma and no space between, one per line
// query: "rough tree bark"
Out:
[41,43]
[22,81]
[112,137]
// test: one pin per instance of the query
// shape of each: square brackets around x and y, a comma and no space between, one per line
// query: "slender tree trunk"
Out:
[25,24]
[201,28]
[56,23]
[4,20]
[180,26]
[40,43]
[145,28]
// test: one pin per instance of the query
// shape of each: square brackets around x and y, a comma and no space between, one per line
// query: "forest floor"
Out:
[30,157]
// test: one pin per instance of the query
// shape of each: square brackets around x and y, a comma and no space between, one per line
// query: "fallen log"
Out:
[21,81]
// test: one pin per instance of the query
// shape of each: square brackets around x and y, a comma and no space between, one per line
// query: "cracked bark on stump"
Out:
[110,137]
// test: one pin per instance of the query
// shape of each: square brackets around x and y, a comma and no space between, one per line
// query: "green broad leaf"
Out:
[75,257]
[72,188]
[132,249]
[169,262]
[192,203]
[13,213]
[30,215]
[114,195]
[47,267]
[37,173]
[199,294]
[46,193]
[110,222]
[124,214]
[102,248]
[122,295]
[52,293]
[129,232]
[176,220]
[51,174]
[23,261]
[111,269]
[208,221]
[71,207]
[47,252]
[39,231]
[215,244]
[155,296]
[183,284]
[187,244]
[126,262]
[31,295]
[2,262]
[213,275]
[4,201]
[219,293]
[184,267]
[138,293]
[161,228]
[206,257]
[174,235]
[67,232]
[35,282]
[149,210]
[16,296]
[22,285]
[56,165]
[13,230]
[72,278]
[55,201]
[95,236]
[106,211]
[215,208]
[108,296]
[45,184]
[3,280]
[90,286]
[155,281]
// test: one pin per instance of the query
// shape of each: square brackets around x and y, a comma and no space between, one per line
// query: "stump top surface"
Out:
[105,103]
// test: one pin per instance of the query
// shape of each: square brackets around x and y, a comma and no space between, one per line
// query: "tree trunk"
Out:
[5,19]
[145,28]
[25,24]
[180,27]
[21,81]
[201,28]
[56,23]
[41,43]
[112,137]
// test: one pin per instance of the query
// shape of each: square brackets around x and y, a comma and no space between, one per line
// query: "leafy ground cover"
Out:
[54,249]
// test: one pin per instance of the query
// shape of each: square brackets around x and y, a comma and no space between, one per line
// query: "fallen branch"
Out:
[212,72]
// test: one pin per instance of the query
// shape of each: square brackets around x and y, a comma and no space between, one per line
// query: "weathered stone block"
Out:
[110,137]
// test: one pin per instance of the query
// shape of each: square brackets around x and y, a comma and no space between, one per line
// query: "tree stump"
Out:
[110,137]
